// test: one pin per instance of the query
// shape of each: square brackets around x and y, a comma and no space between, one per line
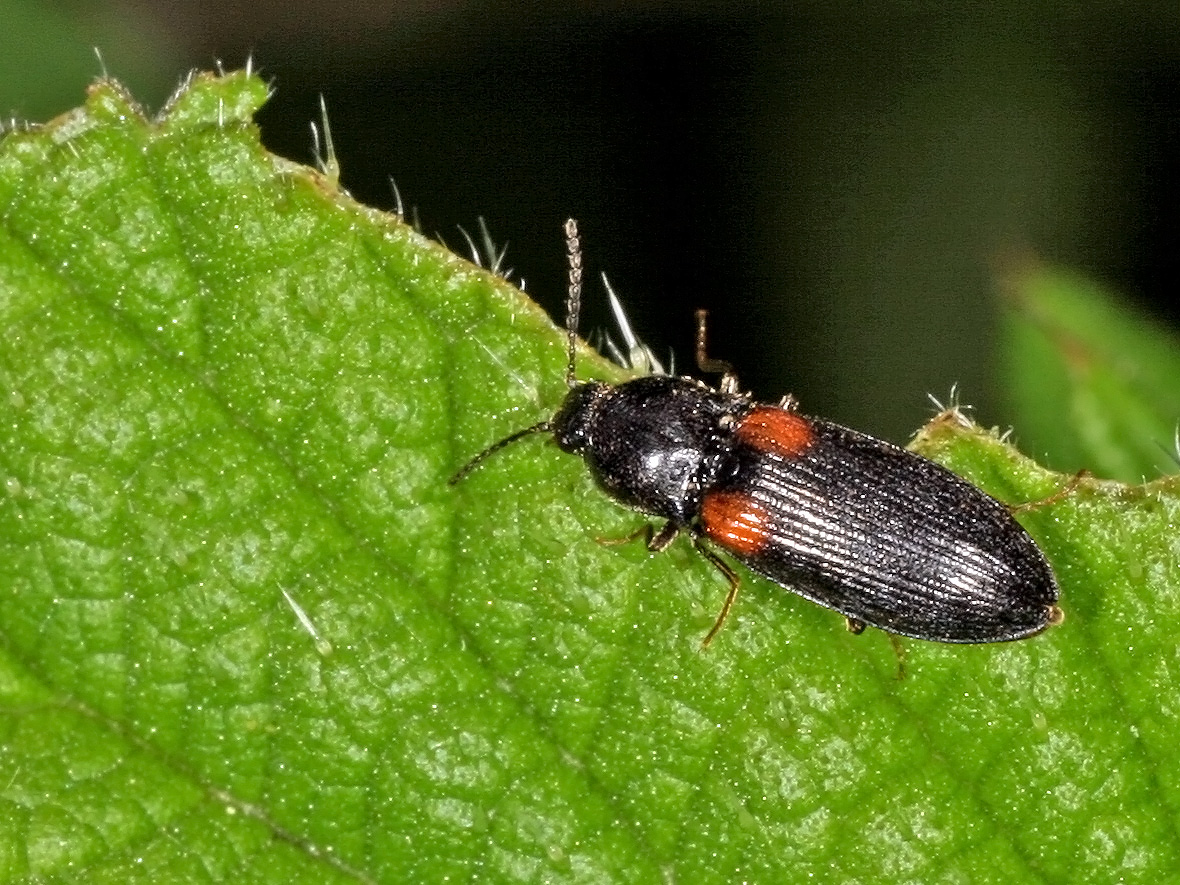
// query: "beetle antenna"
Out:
[709,365]
[543,427]
[573,298]
[573,306]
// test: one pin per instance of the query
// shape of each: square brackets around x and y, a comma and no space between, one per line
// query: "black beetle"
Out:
[880,534]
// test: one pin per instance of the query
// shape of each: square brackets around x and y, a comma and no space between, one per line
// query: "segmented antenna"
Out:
[573,304]
[543,427]
[573,300]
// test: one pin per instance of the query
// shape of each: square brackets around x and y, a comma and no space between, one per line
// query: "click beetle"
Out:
[881,535]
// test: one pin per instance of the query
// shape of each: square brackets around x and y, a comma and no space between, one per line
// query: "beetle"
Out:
[881,535]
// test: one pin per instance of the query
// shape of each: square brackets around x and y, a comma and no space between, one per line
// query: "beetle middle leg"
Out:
[658,541]
[734,583]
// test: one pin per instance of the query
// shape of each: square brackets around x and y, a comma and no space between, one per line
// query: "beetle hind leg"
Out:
[1061,494]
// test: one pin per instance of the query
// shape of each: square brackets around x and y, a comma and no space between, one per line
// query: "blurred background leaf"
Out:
[1093,384]
[47,49]
[832,181]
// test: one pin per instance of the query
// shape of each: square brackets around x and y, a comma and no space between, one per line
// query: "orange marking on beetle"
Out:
[735,521]
[776,432]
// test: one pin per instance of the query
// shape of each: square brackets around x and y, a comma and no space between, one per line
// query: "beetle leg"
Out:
[644,531]
[656,542]
[856,627]
[1058,495]
[899,650]
[734,582]
[659,542]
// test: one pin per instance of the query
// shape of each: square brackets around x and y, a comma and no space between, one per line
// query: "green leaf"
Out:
[248,633]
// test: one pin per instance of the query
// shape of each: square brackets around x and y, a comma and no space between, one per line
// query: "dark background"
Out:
[835,183]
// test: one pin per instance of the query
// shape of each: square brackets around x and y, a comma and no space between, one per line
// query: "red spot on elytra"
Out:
[775,431]
[735,521]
